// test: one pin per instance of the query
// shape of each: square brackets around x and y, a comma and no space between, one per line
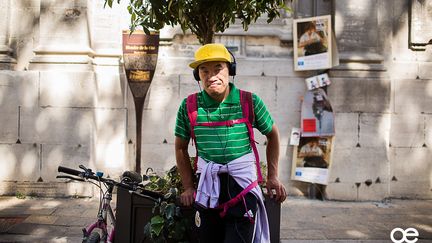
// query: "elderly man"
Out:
[220,121]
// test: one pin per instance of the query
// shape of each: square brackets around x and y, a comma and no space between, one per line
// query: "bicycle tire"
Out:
[94,237]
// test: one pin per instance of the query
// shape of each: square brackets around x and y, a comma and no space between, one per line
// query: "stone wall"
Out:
[64,99]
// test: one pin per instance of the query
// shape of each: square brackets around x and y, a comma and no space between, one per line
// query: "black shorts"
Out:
[236,226]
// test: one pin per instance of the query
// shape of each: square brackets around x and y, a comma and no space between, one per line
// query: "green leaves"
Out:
[157,224]
[167,224]
[203,17]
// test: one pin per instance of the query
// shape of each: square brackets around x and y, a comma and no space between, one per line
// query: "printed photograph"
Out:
[312,43]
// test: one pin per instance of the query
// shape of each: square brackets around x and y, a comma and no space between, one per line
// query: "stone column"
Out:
[106,26]
[6,59]
[360,32]
[63,38]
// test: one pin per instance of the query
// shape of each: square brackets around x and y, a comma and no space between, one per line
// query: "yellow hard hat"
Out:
[209,53]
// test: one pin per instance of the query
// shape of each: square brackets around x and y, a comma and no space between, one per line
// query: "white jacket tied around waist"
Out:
[244,172]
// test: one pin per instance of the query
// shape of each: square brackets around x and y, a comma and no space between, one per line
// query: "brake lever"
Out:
[88,172]
[83,167]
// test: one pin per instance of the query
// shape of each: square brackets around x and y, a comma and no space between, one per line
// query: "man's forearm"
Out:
[184,167]
[272,153]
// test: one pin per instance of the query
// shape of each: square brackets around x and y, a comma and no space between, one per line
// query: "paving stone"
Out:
[41,219]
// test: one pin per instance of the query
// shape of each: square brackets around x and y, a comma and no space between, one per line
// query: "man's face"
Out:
[214,77]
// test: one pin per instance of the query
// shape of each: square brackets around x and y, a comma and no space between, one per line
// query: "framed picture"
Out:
[317,117]
[312,159]
[312,43]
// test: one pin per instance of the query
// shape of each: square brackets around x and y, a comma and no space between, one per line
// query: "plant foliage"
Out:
[202,17]
[168,223]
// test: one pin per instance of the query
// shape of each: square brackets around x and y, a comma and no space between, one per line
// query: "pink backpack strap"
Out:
[192,110]
[248,112]
[233,201]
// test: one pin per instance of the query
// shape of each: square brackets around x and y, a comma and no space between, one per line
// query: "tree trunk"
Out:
[209,38]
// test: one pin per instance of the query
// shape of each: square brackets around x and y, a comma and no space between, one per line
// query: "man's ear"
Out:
[196,74]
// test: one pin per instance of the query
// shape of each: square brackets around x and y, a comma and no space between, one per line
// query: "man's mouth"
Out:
[214,84]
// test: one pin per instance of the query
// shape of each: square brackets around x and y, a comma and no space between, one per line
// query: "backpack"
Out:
[248,118]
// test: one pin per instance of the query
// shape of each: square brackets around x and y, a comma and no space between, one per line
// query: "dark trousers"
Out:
[236,226]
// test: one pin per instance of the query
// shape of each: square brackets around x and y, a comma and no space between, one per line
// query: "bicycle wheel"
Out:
[94,237]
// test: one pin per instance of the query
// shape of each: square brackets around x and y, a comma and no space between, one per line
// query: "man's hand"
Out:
[276,190]
[185,170]
[187,197]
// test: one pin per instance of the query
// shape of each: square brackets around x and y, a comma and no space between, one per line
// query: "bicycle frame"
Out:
[130,181]
[102,224]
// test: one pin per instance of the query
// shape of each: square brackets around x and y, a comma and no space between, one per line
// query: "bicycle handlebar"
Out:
[87,174]
[69,171]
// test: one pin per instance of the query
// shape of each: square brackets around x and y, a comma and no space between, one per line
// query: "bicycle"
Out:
[130,180]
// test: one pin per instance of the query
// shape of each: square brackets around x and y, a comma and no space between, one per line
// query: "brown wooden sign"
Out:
[140,53]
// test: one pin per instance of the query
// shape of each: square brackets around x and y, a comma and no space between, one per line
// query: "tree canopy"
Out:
[203,18]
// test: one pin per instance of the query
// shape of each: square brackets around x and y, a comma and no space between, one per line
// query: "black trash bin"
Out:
[134,212]
[273,209]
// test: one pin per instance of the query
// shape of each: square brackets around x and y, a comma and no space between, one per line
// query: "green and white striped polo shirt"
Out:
[222,144]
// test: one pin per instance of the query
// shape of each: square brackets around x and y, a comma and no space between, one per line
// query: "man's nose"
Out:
[212,75]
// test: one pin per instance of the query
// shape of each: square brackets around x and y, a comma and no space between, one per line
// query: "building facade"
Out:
[64,98]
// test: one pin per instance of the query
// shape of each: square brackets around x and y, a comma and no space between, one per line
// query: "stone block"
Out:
[346,130]
[188,85]
[374,130]
[285,164]
[403,69]
[155,127]
[358,165]
[64,23]
[264,87]
[19,162]
[285,121]
[108,125]
[164,90]
[9,119]
[4,25]
[425,72]
[411,165]
[411,190]
[350,191]
[428,130]
[65,155]
[106,26]
[412,96]
[159,157]
[73,125]
[110,158]
[289,94]
[42,189]
[356,25]
[110,87]
[341,191]
[19,88]
[250,67]
[268,67]
[266,47]
[407,130]
[281,67]
[366,95]
[168,65]
[24,15]
[82,89]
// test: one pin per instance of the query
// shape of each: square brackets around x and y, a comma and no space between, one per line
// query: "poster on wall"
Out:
[313,43]
[317,117]
[312,159]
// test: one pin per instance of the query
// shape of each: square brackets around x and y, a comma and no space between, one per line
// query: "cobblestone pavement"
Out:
[302,220]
